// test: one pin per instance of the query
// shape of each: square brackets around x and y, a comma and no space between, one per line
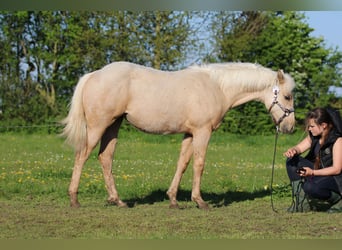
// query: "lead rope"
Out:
[273,163]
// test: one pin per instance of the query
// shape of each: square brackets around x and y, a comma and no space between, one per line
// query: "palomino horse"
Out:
[192,101]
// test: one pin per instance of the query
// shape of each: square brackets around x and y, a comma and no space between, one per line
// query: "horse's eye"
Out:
[288,97]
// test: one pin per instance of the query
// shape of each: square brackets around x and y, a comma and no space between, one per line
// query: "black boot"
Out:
[336,203]
[300,201]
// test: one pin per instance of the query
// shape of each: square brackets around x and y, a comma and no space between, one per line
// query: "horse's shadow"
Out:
[214,199]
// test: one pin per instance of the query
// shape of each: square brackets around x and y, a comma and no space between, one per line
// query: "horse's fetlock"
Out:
[171,195]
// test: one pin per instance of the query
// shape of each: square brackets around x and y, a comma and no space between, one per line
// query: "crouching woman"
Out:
[318,175]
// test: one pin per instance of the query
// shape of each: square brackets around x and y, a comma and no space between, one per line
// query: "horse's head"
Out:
[279,101]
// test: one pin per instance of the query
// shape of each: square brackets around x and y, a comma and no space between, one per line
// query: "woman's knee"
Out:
[309,188]
[315,191]
[291,168]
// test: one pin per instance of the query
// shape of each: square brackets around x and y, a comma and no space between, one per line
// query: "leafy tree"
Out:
[286,43]
[164,35]
[233,33]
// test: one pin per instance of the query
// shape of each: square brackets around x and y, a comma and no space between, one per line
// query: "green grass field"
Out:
[35,171]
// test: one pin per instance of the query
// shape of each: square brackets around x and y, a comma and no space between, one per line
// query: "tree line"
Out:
[45,52]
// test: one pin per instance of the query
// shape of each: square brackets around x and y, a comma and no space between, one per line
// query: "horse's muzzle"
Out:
[285,128]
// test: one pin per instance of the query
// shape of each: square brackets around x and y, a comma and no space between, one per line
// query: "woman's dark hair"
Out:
[319,115]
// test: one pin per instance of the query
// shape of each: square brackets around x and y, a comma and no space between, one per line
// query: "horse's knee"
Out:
[198,167]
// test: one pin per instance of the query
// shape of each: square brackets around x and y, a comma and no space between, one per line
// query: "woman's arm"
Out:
[301,147]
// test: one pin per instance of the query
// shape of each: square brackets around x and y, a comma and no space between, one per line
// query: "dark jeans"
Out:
[318,187]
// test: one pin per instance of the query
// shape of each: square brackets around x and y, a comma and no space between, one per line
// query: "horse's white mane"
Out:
[248,76]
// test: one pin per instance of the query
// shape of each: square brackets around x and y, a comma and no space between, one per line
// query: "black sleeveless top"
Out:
[325,153]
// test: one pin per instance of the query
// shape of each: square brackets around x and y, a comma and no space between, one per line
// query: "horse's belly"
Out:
[156,123]
[177,111]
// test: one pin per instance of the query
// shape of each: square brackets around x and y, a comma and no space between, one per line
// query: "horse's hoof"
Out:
[122,205]
[75,204]
[174,206]
[119,203]
[203,206]
[206,208]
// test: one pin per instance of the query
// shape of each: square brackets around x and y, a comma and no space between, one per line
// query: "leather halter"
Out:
[286,111]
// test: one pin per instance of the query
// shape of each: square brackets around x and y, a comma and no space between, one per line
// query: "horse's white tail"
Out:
[75,129]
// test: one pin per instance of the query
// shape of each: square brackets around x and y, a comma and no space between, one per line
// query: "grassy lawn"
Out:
[35,171]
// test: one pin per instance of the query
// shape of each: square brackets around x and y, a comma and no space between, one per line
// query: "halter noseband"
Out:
[286,111]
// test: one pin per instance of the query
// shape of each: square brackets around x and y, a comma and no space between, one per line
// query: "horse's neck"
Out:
[242,89]
[237,96]
[243,98]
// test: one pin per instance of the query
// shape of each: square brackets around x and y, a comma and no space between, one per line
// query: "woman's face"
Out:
[316,129]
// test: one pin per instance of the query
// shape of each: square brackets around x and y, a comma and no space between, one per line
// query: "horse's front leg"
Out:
[183,162]
[200,144]
[106,153]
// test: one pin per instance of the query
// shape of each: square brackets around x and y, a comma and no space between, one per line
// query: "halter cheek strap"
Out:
[286,111]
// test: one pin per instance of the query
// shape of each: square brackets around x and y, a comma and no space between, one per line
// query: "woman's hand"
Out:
[291,152]
[306,171]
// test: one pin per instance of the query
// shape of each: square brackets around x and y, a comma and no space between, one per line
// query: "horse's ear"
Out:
[281,76]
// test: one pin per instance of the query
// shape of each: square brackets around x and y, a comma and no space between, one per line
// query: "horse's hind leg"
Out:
[80,159]
[183,162]
[106,153]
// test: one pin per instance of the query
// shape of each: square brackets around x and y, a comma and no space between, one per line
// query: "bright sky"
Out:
[326,24]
